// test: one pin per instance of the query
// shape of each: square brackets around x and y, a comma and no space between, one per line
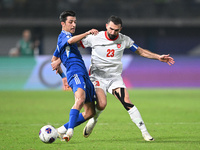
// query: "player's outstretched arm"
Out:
[79,37]
[148,54]
[166,58]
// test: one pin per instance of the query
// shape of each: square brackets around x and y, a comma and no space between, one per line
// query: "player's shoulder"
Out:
[65,34]
[121,35]
[94,37]
[101,33]
[124,37]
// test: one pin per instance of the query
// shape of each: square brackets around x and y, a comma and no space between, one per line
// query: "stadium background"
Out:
[162,26]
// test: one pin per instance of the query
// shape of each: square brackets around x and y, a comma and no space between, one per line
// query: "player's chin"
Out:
[72,30]
[112,37]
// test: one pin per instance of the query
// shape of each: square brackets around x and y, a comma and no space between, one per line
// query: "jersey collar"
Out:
[66,32]
[109,38]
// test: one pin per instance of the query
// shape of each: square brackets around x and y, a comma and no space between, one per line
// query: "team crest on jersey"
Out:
[118,45]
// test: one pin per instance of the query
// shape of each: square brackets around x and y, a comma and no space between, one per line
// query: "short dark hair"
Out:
[115,19]
[65,14]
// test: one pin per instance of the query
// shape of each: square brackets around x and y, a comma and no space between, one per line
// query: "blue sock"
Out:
[79,121]
[73,116]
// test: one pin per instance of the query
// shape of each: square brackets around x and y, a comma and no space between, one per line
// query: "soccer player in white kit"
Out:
[106,69]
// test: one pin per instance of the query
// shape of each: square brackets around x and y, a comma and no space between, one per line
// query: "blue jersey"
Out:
[70,56]
[77,75]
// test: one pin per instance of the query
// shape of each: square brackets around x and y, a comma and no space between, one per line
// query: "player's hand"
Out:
[55,65]
[93,32]
[66,87]
[166,58]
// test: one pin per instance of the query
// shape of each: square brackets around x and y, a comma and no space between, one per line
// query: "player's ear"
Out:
[106,26]
[62,23]
[120,29]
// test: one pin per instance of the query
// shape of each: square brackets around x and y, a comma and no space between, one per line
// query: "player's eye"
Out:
[116,30]
[71,22]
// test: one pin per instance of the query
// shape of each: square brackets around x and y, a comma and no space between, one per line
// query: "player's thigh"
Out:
[79,99]
[78,87]
[79,95]
[100,88]
[77,83]
[115,83]
[99,83]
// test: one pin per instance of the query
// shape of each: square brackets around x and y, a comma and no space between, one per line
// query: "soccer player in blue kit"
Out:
[76,74]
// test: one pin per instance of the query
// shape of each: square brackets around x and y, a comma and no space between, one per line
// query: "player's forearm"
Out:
[77,38]
[56,66]
[54,58]
[59,70]
[150,55]
[147,54]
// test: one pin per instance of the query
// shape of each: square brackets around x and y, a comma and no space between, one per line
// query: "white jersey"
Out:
[106,54]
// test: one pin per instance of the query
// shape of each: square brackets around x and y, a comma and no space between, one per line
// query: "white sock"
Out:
[70,132]
[98,112]
[94,119]
[137,119]
[62,129]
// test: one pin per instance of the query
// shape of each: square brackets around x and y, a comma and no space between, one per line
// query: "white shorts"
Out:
[107,84]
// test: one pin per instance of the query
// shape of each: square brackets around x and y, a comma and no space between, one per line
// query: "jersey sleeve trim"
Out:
[82,44]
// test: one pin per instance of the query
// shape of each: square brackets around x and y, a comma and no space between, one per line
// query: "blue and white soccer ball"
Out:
[48,134]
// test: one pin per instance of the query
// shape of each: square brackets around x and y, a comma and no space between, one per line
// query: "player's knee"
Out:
[79,102]
[101,105]
[89,114]
[101,99]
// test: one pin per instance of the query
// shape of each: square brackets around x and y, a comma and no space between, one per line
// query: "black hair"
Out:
[65,14]
[115,19]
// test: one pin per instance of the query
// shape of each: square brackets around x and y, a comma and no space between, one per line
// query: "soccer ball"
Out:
[48,134]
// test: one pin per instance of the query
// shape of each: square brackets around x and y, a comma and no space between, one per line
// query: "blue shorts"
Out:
[84,83]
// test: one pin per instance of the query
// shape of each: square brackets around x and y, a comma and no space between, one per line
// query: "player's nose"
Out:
[74,24]
[112,32]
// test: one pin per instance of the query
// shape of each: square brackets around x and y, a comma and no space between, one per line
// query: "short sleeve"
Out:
[56,52]
[129,41]
[85,42]
[131,44]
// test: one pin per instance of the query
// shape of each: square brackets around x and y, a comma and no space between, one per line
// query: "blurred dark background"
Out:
[162,26]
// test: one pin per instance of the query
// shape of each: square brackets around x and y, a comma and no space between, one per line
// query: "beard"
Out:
[112,37]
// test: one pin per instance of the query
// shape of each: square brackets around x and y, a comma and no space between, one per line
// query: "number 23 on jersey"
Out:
[110,53]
